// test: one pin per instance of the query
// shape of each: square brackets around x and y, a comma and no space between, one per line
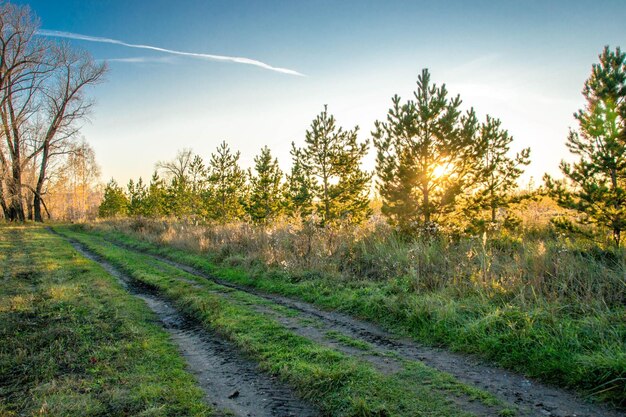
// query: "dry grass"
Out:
[532,264]
[532,299]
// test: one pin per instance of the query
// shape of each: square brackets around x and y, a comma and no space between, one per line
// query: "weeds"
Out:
[551,308]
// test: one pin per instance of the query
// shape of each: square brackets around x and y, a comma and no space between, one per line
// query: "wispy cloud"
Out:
[144,59]
[221,58]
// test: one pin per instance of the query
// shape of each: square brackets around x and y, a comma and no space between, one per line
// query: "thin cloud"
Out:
[143,59]
[221,58]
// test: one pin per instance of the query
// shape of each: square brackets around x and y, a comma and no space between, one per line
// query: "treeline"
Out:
[436,167]
[326,183]
[435,164]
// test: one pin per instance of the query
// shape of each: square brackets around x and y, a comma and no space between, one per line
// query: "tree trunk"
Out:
[426,206]
[29,208]
[40,181]
[3,203]
[37,197]
[492,196]
[37,209]
[616,228]
[16,207]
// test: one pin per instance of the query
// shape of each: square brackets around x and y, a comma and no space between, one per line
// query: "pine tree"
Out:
[596,184]
[351,193]
[178,197]
[497,173]
[299,192]
[137,194]
[115,202]
[425,152]
[197,180]
[227,191]
[266,189]
[331,158]
[155,199]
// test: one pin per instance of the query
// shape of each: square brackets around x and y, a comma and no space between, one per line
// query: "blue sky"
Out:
[522,61]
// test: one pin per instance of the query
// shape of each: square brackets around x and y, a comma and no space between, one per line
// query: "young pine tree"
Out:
[266,189]
[114,202]
[227,189]
[497,172]
[197,181]
[299,192]
[137,194]
[331,158]
[426,151]
[596,184]
[155,199]
[178,198]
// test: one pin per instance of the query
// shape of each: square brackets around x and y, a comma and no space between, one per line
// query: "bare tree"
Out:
[42,100]
[24,67]
[178,168]
[65,105]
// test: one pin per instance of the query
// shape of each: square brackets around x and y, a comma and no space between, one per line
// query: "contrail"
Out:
[222,58]
[142,59]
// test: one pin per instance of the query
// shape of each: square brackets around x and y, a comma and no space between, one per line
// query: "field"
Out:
[391,209]
[74,342]
[145,329]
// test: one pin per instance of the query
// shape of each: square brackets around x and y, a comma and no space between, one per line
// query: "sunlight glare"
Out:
[440,171]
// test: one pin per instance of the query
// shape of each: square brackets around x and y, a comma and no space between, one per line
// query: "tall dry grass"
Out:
[532,298]
[531,265]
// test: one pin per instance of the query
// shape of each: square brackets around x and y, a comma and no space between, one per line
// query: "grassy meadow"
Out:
[75,343]
[338,384]
[530,300]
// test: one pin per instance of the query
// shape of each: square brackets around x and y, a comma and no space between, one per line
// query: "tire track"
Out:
[232,383]
[531,398]
[316,331]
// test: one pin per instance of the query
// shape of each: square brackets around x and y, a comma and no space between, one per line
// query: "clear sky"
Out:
[524,62]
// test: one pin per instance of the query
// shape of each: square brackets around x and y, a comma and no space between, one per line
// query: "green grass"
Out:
[584,349]
[348,341]
[75,343]
[339,384]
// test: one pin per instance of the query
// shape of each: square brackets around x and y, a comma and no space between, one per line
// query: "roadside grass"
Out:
[75,343]
[568,344]
[339,384]
[348,341]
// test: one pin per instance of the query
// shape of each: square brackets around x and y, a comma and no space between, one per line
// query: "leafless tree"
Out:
[178,168]
[42,101]
[65,106]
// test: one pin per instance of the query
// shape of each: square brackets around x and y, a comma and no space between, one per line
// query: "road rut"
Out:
[231,382]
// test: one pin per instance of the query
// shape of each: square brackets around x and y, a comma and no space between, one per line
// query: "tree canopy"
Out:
[426,150]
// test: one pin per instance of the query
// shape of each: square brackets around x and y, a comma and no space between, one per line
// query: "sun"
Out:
[440,171]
